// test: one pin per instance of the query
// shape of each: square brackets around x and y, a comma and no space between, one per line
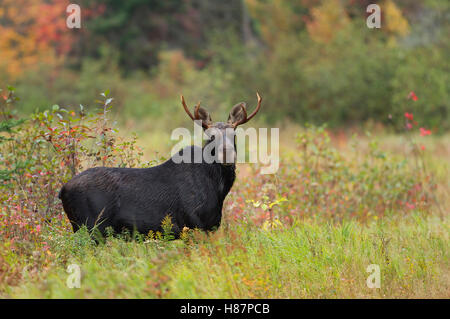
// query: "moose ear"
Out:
[204,116]
[238,114]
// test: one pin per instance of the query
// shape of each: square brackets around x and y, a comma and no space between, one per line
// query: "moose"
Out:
[138,199]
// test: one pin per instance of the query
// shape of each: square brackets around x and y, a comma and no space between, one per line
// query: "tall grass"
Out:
[309,259]
[310,230]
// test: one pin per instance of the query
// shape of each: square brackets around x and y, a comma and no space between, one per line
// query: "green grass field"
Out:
[336,205]
[306,260]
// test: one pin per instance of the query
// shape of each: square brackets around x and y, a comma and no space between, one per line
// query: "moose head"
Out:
[223,133]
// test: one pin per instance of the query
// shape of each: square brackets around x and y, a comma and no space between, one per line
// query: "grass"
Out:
[335,206]
[307,260]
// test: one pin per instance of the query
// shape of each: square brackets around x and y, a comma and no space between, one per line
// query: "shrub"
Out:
[46,152]
[361,183]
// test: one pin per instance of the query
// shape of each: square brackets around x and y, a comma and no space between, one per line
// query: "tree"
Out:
[31,33]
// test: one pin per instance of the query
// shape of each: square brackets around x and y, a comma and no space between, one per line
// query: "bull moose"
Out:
[138,199]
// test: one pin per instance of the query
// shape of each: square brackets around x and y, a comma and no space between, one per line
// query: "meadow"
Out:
[340,201]
[364,118]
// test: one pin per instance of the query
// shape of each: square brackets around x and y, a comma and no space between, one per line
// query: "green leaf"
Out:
[108,101]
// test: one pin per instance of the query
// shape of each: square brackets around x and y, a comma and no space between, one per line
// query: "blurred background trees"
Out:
[312,60]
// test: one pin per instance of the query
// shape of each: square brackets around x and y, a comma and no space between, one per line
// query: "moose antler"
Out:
[197,108]
[245,119]
[186,108]
[196,116]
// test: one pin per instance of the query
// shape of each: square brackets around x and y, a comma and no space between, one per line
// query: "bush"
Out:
[363,183]
[46,152]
